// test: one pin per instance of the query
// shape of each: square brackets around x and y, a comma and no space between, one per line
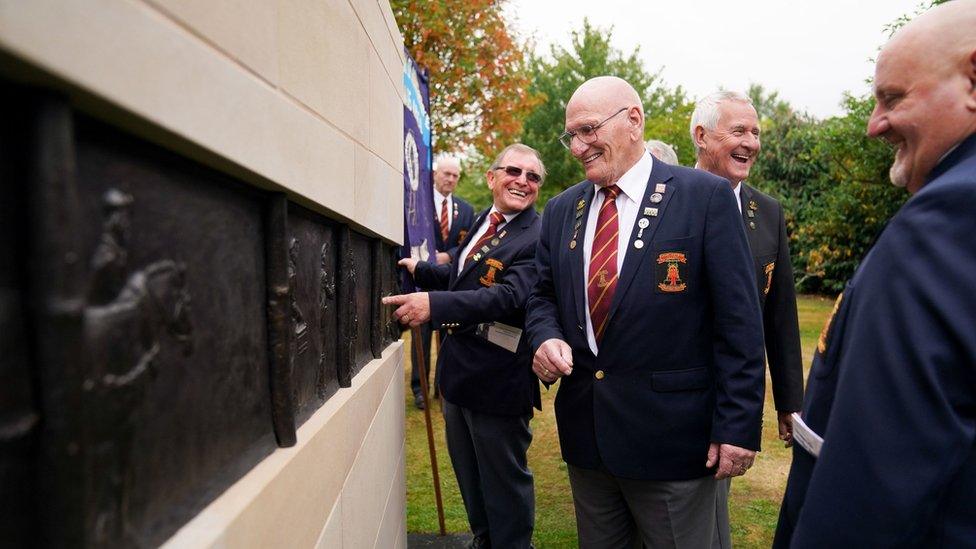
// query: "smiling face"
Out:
[729,150]
[920,111]
[514,194]
[618,143]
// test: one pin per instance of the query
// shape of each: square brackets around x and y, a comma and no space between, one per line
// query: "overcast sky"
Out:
[810,52]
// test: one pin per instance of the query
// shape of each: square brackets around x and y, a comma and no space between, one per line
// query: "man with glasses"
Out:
[452,220]
[486,379]
[646,310]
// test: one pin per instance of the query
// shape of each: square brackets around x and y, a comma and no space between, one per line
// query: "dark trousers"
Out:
[425,333]
[616,512]
[488,453]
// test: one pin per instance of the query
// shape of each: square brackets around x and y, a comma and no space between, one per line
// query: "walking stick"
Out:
[418,347]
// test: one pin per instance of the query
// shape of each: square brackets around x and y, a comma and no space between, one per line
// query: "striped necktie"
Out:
[494,220]
[445,230]
[602,274]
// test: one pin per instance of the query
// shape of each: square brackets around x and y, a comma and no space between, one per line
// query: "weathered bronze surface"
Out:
[163,327]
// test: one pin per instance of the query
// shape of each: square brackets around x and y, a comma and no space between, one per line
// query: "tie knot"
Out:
[611,192]
[495,218]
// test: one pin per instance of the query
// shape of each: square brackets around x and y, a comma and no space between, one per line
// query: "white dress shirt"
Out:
[632,185]
[482,229]
[738,201]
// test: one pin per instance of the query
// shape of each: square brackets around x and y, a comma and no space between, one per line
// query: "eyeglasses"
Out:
[587,133]
[515,171]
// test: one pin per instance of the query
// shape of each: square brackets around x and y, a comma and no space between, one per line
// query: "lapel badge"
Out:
[751,213]
[656,197]
[753,205]
[650,211]
[488,280]
[580,205]
[638,244]
[669,276]
[752,225]
[572,244]
[643,223]
[579,214]
[768,270]
[461,234]
[495,241]
[503,233]
[484,249]
[660,188]
[476,257]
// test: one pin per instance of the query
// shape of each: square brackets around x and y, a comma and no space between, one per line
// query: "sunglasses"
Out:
[515,171]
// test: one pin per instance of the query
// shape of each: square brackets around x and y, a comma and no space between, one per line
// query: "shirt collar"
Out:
[737,190]
[508,217]
[634,180]
[438,197]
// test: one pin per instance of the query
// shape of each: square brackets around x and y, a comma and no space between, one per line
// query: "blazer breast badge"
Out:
[670,278]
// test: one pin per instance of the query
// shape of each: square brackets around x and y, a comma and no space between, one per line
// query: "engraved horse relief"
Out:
[129,319]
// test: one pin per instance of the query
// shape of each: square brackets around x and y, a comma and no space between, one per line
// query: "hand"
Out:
[413,309]
[786,427]
[442,258]
[732,460]
[409,264]
[553,360]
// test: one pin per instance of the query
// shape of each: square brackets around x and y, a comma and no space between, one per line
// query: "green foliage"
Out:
[833,183]
[557,76]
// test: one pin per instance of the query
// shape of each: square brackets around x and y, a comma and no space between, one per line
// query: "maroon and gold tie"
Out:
[493,221]
[445,230]
[602,274]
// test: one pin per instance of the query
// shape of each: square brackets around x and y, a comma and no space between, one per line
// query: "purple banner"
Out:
[418,200]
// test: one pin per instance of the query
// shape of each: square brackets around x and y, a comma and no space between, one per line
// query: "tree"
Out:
[555,77]
[478,75]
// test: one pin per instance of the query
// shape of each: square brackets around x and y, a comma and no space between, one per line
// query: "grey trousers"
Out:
[488,453]
[723,532]
[614,512]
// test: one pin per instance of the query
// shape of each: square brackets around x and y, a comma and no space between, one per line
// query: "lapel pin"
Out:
[650,211]
[752,225]
[502,234]
[476,257]
[660,188]
[753,205]
[495,241]
[485,249]
[750,213]
[638,244]
[643,223]
[580,205]
[572,244]
[656,197]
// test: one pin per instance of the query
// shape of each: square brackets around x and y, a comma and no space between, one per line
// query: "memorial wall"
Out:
[202,205]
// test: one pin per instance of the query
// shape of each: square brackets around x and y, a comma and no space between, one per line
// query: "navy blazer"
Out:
[766,228]
[679,366]
[892,389]
[462,219]
[495,286]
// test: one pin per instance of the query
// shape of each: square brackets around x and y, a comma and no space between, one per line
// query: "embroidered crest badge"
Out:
[768,270]
[670,278]
[488,280]
[461,234]
[822,341]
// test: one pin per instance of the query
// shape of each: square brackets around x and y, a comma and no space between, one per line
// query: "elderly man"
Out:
[647,312]
[725,131]
[662,151]
[892,389]
[452,220]
[486,378]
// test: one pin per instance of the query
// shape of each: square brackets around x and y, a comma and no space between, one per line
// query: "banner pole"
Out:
[418,347]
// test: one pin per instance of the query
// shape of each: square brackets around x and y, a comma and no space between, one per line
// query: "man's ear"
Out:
[700,137]
[971,74]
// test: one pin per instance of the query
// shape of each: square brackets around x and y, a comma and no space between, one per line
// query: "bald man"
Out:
[892,389]
[647,314]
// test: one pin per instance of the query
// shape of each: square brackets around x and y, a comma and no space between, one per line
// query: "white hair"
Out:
[706,111]
[662,151]
[445,158]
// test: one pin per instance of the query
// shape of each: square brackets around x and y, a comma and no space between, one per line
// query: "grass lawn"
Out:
[755,497]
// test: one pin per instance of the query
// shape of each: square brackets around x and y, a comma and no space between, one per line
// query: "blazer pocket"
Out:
[690,379]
